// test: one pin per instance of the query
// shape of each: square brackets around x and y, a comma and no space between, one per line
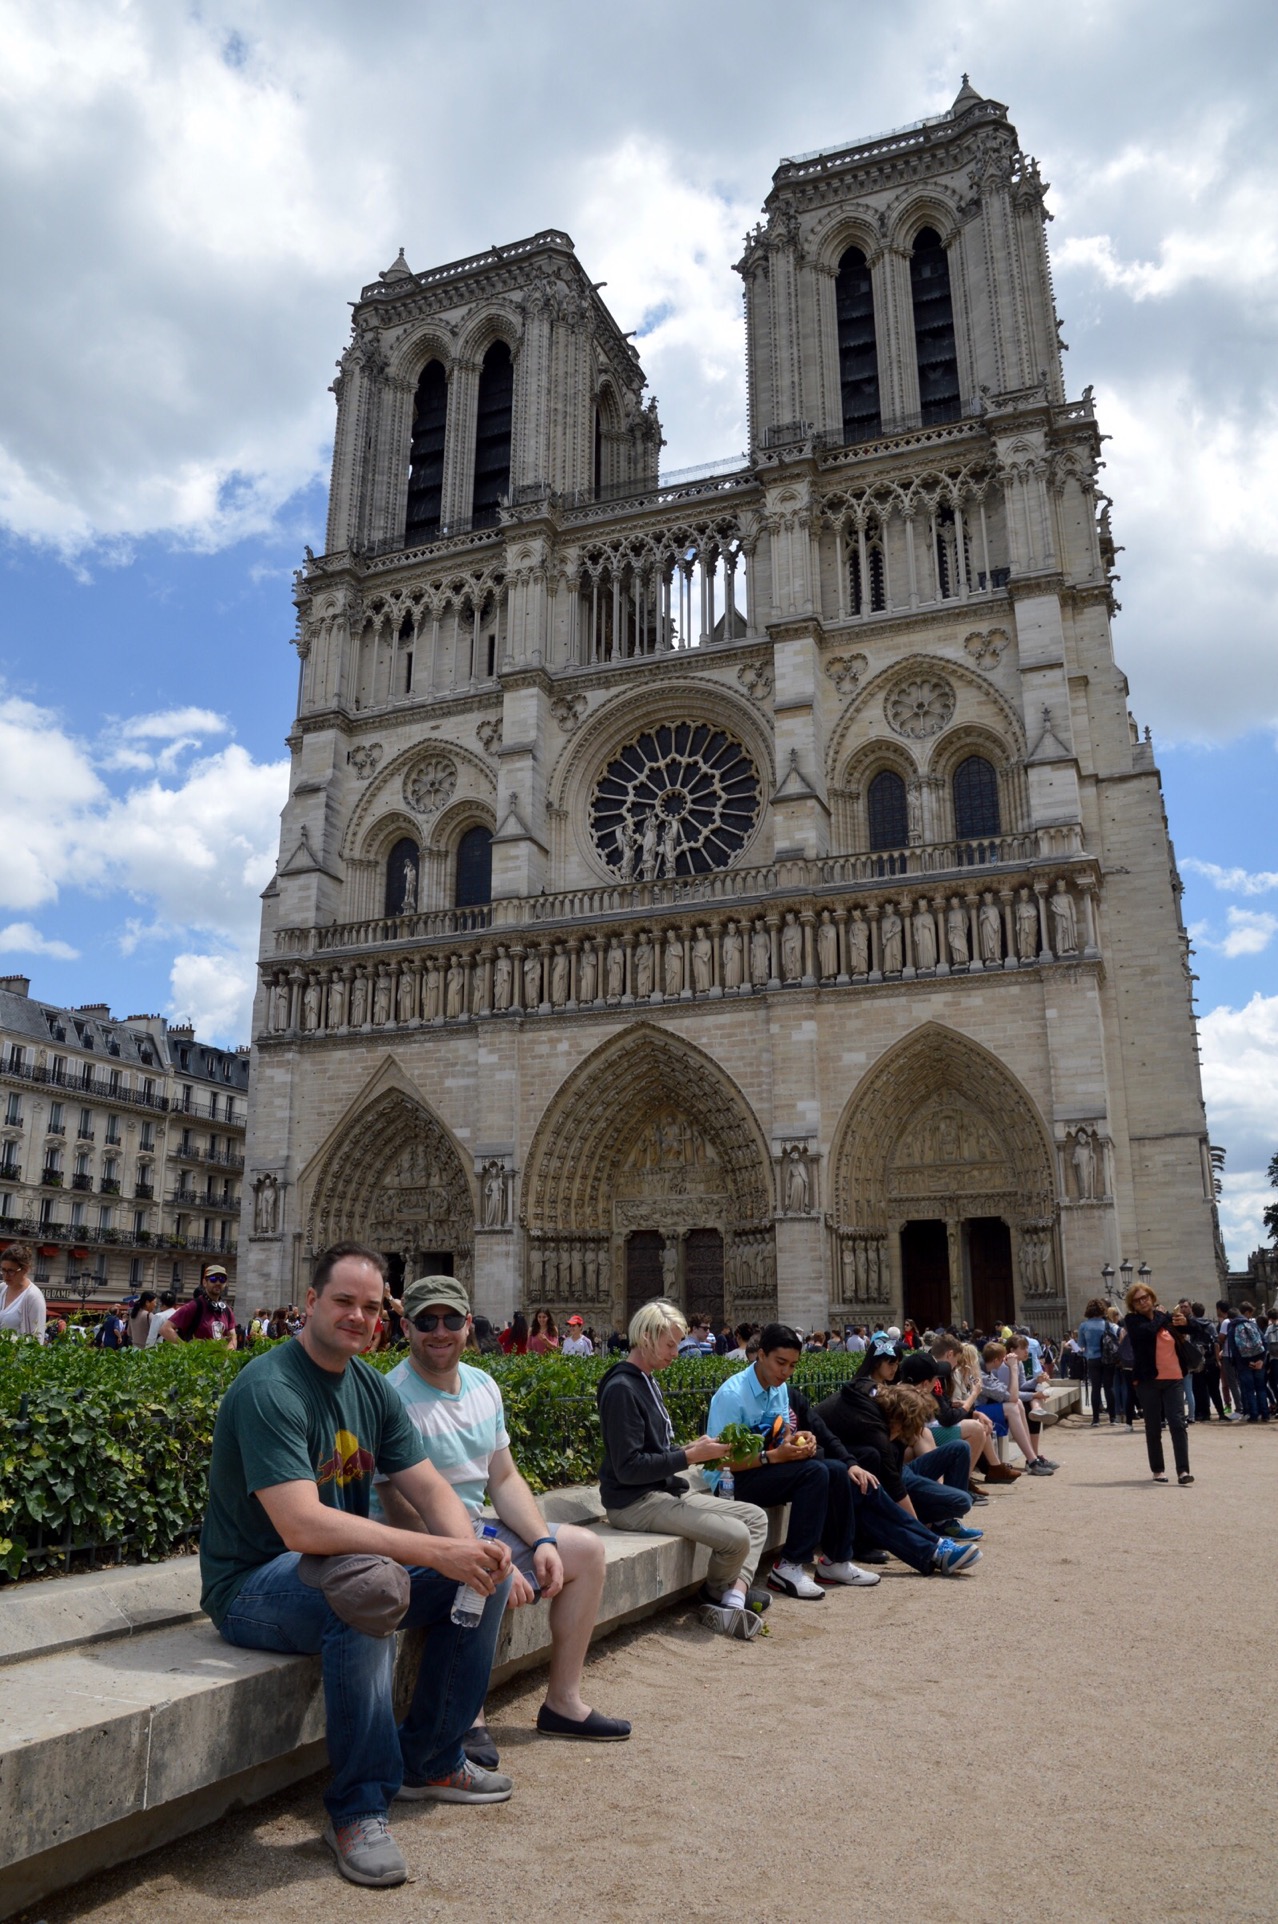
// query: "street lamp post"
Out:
[1107,1281]
[1125,1273]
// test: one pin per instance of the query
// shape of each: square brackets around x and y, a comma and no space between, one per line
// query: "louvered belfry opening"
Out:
[426,464]
[492,434]
[858,349]
[934,328]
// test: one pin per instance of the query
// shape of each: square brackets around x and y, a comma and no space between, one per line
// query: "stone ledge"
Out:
[171,1727]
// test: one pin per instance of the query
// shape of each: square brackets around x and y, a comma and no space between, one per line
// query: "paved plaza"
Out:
[1084,1727]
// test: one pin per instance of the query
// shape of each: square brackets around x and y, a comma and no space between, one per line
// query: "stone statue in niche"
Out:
[280,1018]
[956,932]
[892,939]
[311,1007]
[924,937]
[336,1002]
[1083,1157]
[858,945]
[408,903]
[1064,925]
[532,979]
[796,1193]
[627,849]
[381,996]
[559,977]
[432,1008]
[266,1206]
[643,967]
[478,1001]
[669,1262]
[791,949]
[702,962]
[827,947]
[990,924]
[674,964]
[648,853]
[503,980]
[404,996]
[670,844]
[1027,927]
[454,989]
[733,959]
[760,956]
[359,1001]
[587,973]
[494,1188]
[616,970]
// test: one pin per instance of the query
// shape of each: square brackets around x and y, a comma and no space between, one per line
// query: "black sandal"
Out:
[1184,1477]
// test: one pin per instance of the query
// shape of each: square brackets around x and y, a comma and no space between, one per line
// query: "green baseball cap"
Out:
[424,1292]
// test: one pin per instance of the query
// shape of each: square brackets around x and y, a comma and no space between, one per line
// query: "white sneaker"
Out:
[792,1580]
[741,1624]
[828,1572]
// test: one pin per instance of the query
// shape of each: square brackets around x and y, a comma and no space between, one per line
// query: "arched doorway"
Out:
[649,1176]
[392,1177]
[925,1272]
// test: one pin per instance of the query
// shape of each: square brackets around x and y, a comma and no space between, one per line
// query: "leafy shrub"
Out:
[105,1452]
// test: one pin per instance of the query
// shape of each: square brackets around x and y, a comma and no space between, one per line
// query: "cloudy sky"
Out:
[189,197]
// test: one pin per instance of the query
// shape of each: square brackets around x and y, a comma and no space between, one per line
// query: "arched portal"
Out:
[945,1199]
[392,1178]
[649,1174]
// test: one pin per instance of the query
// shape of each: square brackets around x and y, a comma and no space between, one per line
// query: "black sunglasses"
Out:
[428,1320]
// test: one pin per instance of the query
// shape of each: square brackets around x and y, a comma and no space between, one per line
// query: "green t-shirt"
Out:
[284,1420]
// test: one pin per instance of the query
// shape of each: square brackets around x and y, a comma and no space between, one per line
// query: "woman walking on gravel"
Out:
[1160,1367]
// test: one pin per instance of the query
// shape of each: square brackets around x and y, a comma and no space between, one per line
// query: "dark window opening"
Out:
[492,434]
[426,463]
[934,345]
[474,887]
[408,672]
[868,597]
[976,810]
[889,814]
[492,656]
[401,878]
[947,557]
[598,452]
[858,350]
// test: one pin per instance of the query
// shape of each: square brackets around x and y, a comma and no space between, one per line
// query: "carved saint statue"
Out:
[1083,1157]
[432,1007]
[559,976]
[587,973]
[760,955]
[732,958]
[791,949]
[669,1262]
[924,937]
[797,1187]
[478,995]
[266,1206]
[892,939]
[532,979]
[827,948]
[359,1002]
[494,1195]
[990,924]
[408,902]
[382,996]
[1064,926]
[648,858]
[281,1006]
[643,967]
[1027,927]
[671,840]
[616,970]
[673,983]
[336,1002]
[455,989]
[858,945]
[503,980]
[702,962]
[404,995]
[956,931]
[627,848]
[310,1007]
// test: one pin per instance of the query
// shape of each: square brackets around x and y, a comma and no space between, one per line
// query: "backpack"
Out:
[1246,1341]
[1110,1341]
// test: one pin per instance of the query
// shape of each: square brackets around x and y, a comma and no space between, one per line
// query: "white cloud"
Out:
[24,938]
[1240,1083]
[215,992]
[1250,931]
[170,723]
[1233,881]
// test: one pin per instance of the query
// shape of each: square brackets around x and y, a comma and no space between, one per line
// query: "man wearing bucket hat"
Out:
[457,1412]
[291,1561]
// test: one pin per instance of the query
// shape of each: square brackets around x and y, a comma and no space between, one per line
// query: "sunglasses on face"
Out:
[429,1320]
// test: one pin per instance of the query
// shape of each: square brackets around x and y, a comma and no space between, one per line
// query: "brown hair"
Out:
[994,1352]
[552,1327]
[907,1410]
[1139,1289]
[20,1253]
[1095,1307]
[326,1262]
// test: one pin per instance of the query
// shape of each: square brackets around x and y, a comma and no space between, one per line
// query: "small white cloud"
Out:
[169,724]
[215,992]
[1240,1078]
[23,938]
[1233,881]
[1250,932]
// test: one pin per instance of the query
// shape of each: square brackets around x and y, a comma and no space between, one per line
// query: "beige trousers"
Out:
[735,1532]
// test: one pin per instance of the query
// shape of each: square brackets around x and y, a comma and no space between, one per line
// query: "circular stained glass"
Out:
[678,800]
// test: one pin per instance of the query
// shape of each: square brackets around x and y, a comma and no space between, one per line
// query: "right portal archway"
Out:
[944,1197]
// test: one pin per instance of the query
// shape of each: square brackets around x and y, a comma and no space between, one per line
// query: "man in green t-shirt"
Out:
[291,1561]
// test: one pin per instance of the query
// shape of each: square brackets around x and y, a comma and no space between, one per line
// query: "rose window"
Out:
[678,800]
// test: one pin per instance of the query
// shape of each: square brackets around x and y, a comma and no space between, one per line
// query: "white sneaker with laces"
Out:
[850,1573]
[792,1580]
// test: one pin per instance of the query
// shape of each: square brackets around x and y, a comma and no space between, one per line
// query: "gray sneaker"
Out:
[366,1852]
[469,1784]
[742,1624]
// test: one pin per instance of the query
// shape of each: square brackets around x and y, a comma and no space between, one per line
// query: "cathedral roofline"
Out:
[968,110]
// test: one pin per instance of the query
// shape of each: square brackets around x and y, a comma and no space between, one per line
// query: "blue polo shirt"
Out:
[743,1399]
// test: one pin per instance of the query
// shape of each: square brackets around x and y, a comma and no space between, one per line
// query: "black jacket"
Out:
[1143,1331]
[860,1426]
[638,1439]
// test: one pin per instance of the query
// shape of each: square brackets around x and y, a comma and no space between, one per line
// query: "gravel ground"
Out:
[1085,1723]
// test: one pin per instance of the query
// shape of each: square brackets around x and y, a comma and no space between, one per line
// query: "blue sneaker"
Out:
[952,1557]
[965,1533]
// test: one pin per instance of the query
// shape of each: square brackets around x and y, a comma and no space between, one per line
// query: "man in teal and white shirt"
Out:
[457,1411]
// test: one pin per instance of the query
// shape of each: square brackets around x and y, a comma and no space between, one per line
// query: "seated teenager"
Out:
[852,1416]
[457,1412]
[291,1561]
[1000,1387]
[933,1370]
[640,1484]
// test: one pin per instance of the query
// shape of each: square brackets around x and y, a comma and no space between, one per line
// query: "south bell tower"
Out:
[747,884]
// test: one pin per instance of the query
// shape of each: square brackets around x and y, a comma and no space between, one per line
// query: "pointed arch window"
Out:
[402,870]
[426,462]
[888,811]
[858,349]
[976,809]
[934,344]
[867,571]
[492,434]
[473,887]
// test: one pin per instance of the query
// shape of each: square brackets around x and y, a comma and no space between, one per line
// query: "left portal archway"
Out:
[394,1179]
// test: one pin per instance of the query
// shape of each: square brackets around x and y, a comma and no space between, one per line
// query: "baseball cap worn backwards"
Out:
[445,1291]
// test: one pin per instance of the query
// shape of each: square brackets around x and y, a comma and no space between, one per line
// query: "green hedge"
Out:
[105,1452]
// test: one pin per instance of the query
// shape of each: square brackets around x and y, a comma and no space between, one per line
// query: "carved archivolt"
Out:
[971,697]
[389,787]
[396,1181]
[647,1108]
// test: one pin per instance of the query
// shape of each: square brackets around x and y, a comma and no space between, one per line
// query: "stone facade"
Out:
[831,959]
[121,1147]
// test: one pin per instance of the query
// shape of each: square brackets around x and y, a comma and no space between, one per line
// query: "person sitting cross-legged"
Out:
[291,1561]
[457,1412]
[641,1487]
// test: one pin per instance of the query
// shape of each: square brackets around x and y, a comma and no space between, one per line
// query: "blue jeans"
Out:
[936,1483]
[1251,1385]
[884,1525]
[275,1610]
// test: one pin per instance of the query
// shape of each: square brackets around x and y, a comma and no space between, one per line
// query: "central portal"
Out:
[925,1273]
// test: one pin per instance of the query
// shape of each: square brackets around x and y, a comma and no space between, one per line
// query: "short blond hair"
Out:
[653,1320]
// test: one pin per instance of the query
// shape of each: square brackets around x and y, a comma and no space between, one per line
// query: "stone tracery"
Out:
[394,1180]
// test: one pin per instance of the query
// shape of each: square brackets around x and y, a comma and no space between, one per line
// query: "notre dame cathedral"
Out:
[748,885]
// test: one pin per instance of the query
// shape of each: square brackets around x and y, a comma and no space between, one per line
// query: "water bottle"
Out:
[727,1482]
[468,1604]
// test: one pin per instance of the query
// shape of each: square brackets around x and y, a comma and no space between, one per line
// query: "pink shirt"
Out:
[1169,1370]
